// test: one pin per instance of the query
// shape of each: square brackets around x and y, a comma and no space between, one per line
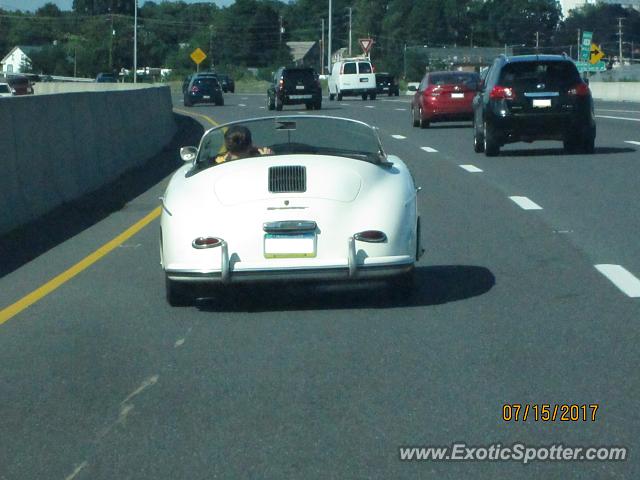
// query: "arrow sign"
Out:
[596,54]
[366,44]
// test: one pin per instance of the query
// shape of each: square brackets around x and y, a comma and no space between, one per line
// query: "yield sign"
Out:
[596,54]
[366,44]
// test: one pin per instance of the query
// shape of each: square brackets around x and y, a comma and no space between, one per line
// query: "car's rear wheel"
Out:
[278,103]
[270,104]
[414,119]
[309,106]
[364,96]
[187,102]
[178,295]
[332,97]
[339,96]
[478,143]
[424,123]
[491,147]
[372,96]
[589,142]
[570,145]
[318,105]
[220,102]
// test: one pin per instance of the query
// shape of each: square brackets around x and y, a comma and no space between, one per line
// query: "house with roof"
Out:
[305,54]
[17,59]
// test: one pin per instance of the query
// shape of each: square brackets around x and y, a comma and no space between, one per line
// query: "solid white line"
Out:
[525,203]
[429,149]
[621,278]
[399,137]
[632,142]
[619,118]
[471,168]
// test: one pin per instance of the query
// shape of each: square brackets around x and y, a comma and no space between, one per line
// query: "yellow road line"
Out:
[208,119]
[53,284]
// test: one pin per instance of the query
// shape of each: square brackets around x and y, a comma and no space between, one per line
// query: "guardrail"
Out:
[56,148]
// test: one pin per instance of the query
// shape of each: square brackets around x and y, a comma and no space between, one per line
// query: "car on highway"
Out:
[387,83]
[5,90]
[203,89]
[20,85]
[526,98]
[188,78]
[106,78]
[295,86]
[352,77]
[444,97]
[227,83]
[318,200]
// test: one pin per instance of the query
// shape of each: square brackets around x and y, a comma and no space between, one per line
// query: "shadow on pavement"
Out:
[434,286]
[540,152]
[31,240]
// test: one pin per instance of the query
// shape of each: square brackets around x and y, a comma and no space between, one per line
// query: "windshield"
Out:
[284,135]
[552,74]
[455,78]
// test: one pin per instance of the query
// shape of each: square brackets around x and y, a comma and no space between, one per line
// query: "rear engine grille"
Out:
[290,178]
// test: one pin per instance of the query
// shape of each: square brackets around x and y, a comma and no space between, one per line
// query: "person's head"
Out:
[237,139]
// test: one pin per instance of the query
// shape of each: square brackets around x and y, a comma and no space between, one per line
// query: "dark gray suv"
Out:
[533,97]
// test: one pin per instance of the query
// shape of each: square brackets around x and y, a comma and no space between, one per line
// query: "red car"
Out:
[444,97]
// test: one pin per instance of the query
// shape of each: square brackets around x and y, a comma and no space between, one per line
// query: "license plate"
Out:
[299,87]
[457,95]
[206,97]
[385,88]
[364,79]
[299,97]
[302,245]
[542,102]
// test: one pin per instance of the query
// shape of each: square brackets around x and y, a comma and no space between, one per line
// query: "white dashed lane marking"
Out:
[471,168]
[619,118]
[525,203]
[621,278]
[632,142]
[401,109]
[241,105]
[369,106]
[429,149]
[399,137]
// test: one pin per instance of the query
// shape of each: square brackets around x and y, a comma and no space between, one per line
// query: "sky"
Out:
[32,5]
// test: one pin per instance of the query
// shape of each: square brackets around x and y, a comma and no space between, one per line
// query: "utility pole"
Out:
[322,50]
[280,32]
[135,42]
[329,39]
[404,63]
[620,39]
[578,49]
[211,45]
[350,9]
[113,32]
[537,41]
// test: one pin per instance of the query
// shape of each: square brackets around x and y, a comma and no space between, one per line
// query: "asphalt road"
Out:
[101,379]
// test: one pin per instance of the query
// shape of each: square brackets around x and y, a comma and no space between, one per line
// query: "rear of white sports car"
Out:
[288,217]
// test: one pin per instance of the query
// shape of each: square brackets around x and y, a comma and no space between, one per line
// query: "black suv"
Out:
[533,97]
[203,89]
[227,83]
[295,85]
[387,83]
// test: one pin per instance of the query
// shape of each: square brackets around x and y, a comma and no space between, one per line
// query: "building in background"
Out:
[17,60]
[571,4]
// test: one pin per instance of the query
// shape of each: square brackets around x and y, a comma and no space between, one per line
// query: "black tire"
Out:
[177,293]
[364,96]
[491,147]
[233,90]
[478,143]
[423,123]
[372,96]
[570,145]
[318,105]
[278,103]
[414,119]
[588,144]
[220,102]
[187,102]
[309,106]
[332,97]
[390,94]
[397,93]
[339,97]
[270,105]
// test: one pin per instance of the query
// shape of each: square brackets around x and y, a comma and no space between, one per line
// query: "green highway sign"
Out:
[585,46]
[588,67]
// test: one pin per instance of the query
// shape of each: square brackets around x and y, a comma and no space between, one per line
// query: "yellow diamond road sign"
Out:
[198,56]
[596,54]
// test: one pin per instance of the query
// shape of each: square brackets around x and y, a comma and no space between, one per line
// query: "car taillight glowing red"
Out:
[433,91]
[195,89]
[372,236]
[373,69]
[206,242]
[580,90]
[501,93]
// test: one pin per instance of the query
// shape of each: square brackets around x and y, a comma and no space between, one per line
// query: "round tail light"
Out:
[206,242]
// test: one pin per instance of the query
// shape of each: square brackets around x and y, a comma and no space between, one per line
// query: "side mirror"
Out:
[188,154]
[412,88]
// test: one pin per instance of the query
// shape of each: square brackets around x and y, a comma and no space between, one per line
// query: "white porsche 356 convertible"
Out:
[317,199]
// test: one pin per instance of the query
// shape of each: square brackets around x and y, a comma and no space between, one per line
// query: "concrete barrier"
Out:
[616,91]
[56,148]
[43,88]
